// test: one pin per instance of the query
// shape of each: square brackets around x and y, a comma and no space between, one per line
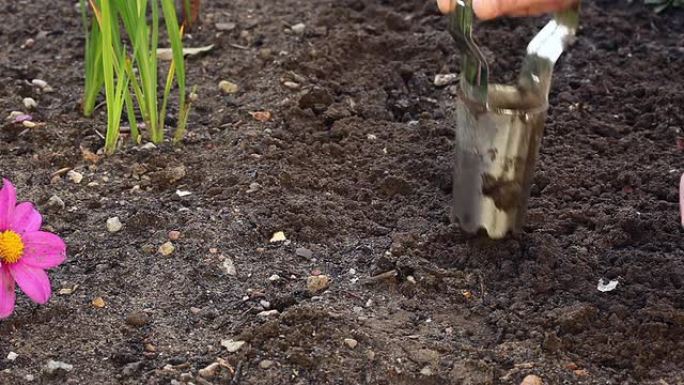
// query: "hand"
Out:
[490,9]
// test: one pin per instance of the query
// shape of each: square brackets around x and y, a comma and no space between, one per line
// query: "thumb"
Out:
[446,6]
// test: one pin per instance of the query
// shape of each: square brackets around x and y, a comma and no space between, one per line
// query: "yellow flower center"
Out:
[11,247]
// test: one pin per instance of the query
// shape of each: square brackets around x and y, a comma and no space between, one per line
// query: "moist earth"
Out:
[354,166]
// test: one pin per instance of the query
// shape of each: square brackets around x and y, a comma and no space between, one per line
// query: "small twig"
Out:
[482,287]
[238,46]
[60,172]
[97,107]
[381,277]
[349,293]
[98,134]
[238,373]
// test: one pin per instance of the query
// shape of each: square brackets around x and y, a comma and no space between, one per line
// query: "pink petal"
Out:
[32,280]
[25,219]
[8,199]
[43,250]
[7,295]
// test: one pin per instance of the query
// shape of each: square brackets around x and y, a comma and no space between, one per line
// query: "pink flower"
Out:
[25,252]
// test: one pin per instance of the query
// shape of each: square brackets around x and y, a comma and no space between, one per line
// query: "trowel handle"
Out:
[474,69]
[545,49]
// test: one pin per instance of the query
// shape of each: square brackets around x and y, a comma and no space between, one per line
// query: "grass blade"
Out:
[175,37]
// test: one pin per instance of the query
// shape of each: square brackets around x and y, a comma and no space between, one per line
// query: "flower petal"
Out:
[32,280]
[8,199]
[7,294]
[43,250]
[25,218]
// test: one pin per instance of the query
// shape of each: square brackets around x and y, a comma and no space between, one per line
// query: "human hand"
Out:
[490,9]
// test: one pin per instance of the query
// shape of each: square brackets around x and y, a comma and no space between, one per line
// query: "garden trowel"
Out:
[499,127]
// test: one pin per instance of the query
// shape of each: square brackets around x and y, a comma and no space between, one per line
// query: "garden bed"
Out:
[354,167]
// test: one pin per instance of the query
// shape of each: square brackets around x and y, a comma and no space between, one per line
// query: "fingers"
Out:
[490,9]
[543,7]
[446,6]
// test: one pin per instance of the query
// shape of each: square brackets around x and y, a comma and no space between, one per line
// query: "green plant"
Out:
[661,5]
[131,75]
[93,62]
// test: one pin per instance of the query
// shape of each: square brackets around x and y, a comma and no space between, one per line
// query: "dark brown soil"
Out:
[355,168]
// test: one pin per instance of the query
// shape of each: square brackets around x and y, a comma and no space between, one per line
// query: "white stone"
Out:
[30,103]
[114,224]
[442,80]
[232,346]
[351,343]
[39,83]
[298,28]
[74,176]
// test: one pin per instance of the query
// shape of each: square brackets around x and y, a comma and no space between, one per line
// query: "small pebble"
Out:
[291,85]
[14,115]
[228,267]
[186,377]
[114,224]
[137,319]
[28,43]
[265,364]
[532,380]
[351,343]
[265,304]
[317,283]
[98,302]
[268,313]
[29,124]
[442,80]
[278,237]
[74,176]
[265,53]
[195,310]
[39,83]
[228,87]
[426,371]
[29,377]
[225,26]
[304,252]
[298,28]
[53,367]
[148,146]
[174,235]
[253,187]
[232,346]
[11,356]
[56,203]
[30,103]
[21,117]
[274,277]
[166,249]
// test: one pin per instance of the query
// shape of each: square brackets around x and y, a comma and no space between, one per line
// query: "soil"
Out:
[355,168]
